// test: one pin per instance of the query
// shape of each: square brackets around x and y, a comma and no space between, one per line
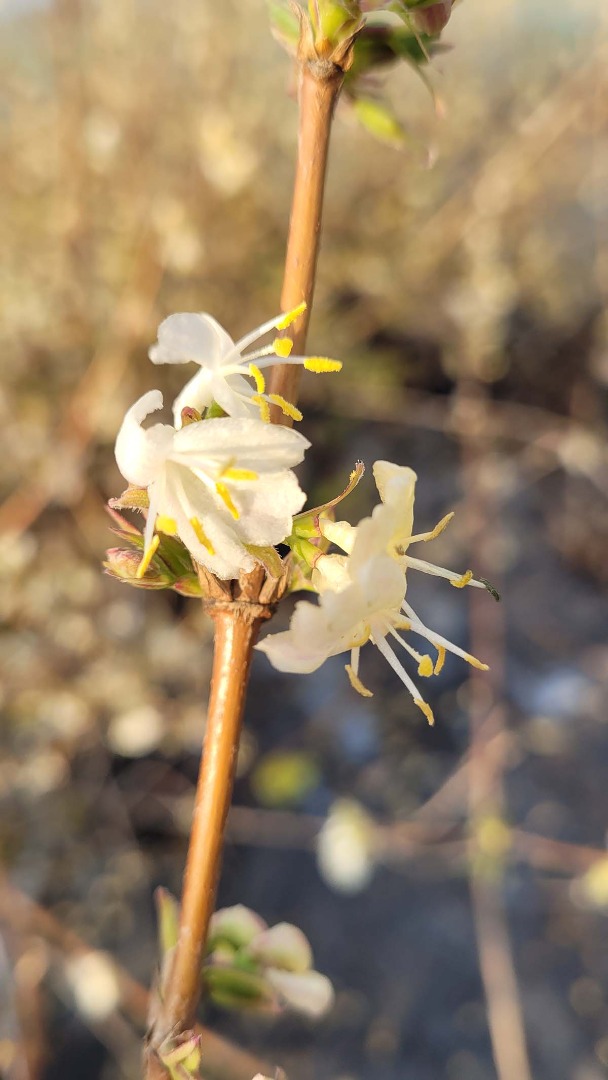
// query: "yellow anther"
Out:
[167,525]
[147,557]
[434,533]
[402,624]
[240,474]
[260,381]
[320,364]
[459,583]
[282,346]
[474,662]
[426,709]
[425,667]
[291,316]
[263,406]
[201,535]
[356,683]
[224,495]
[440,661]
[285,406]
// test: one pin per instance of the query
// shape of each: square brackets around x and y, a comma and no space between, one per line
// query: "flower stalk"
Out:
[238,608]
[319,87]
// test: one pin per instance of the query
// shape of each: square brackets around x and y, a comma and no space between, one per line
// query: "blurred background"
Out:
[459,892]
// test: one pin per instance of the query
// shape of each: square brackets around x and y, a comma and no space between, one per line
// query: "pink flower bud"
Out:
[431,20]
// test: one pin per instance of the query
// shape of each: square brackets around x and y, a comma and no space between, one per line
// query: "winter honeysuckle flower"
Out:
[220,484]
[362,593]
[226,367]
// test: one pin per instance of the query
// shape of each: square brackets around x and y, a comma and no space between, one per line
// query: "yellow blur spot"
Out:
[201,535]
[459,583]
[425,667]
[321,364]
[426,709]
[167,525]
[282,346]
[285,406]
[356,683]
[224,495]
[147,558]
[263,406]
[440,661]
[290,316]
[260,381]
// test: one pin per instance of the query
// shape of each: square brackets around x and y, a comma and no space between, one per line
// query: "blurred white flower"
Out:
[362,594]
[220,484]
[345,847]
[225,367]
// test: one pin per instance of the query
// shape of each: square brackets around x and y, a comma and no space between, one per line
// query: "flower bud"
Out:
[123,564]
[333,22]
[431,20]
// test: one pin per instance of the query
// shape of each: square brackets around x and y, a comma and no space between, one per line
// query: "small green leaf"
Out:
[379,120]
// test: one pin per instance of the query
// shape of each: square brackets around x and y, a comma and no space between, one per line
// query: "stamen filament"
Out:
[148,555]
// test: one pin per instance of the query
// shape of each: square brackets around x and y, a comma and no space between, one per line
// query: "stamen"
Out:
[290,316]
[440,642]
[224,495]
[166,525]
[282,346]
[263,406]
[239,474]
[460,582]
[440,661]
[426,709]
[356,683]
[434,533]
[260,381]
[285,406]
[147,557]
[201,535]
[320,364]
[425,667]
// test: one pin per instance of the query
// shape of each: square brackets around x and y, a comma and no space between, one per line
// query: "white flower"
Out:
[362,594]
[221,485]
[225,367]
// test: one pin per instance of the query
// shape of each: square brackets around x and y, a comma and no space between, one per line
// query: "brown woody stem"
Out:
[236,622]
[320,84]
[236,629]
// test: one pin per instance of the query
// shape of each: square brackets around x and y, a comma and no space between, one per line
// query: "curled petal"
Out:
[191,336]
[141,453]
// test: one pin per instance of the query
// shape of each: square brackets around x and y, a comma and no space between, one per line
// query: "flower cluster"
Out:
[221,482]
[362,592]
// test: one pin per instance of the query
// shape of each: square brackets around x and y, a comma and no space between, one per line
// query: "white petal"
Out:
[141,453]
[305,646]
[246,443]
[191,336]
[396,485]
[310,993]
[341,533]
[196,394]
[331,573]
[267,507]
[282,946]
[228,394]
